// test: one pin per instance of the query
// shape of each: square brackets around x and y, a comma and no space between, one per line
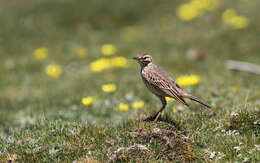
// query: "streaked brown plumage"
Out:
[161,84]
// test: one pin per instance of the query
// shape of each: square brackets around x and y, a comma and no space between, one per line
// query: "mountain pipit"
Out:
[161,84]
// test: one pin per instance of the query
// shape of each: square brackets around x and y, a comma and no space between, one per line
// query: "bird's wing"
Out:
[164,83]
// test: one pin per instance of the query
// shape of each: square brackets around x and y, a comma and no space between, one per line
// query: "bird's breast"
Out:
[145,77]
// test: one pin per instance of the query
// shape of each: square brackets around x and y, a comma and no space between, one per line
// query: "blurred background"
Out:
[71,59]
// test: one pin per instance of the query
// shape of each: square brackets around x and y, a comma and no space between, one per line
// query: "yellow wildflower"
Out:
[200,4]
[228,14]
[237,22]
[123,107]
[188,80]
[195,8]
[168,99]
[81,52]
[87,101]
[108,88]
[188,11]
[106,63]
[108,49]
[118,62]
[40,53]
[138,105]
[100,65]
[53,70]
[206,4]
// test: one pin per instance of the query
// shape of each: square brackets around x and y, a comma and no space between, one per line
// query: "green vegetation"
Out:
[43,118]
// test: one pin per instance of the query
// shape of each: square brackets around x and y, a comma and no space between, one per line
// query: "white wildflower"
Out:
[232,133]
[237,148]
[257,147]
[246,159]
[212,154]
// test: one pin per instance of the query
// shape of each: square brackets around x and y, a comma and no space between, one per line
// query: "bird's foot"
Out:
[153,118]
[157,116]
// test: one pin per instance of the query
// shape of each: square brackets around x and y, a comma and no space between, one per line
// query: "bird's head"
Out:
[143,59]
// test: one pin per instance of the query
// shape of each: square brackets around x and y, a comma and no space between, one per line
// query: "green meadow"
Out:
[57,57]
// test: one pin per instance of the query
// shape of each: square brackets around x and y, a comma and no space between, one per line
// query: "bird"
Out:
[161,84]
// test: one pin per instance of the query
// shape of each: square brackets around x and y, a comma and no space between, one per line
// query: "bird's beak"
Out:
[135,58]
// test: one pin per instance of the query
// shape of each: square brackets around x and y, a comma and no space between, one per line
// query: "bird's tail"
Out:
[197,100]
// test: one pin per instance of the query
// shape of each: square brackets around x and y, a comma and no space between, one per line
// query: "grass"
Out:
[42,118]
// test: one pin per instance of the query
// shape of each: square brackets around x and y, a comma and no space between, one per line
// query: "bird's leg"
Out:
[158,114]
